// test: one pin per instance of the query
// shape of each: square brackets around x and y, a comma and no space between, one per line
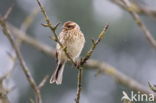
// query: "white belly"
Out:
[74,49]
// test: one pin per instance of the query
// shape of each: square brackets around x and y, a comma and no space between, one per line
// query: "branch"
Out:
[118,76]
[19,34]
[79,85]
[91,63]
[42,83]
[127,5]
[21,61]
[8,73]
[85,58]
[53,30]
[94,44]
[29,19]
[137,8]
[4,91]
[152,87]
[25,25]
[8,12]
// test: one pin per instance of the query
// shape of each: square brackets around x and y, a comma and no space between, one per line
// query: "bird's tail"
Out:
[58,73]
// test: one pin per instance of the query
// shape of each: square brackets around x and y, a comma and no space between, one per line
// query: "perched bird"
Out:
[73,39]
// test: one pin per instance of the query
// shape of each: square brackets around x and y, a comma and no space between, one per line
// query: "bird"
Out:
[73,39]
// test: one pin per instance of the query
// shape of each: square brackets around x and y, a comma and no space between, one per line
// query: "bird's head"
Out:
[70,25]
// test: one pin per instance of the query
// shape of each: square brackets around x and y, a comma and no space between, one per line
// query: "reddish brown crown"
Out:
[69,25]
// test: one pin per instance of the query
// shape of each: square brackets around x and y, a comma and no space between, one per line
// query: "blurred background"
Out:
[124,47]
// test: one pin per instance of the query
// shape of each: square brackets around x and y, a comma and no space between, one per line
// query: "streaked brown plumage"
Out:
[72,38]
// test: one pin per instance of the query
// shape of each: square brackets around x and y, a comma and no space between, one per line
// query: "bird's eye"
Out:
[69,26]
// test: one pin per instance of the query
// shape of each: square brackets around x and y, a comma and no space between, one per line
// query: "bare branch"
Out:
[84,59]
[127,5]
[3,93]
[152,87]
[19,34]
[7,74]
[53,30]
[21,61]
[94,44]
[79,85]
[3,90]
[8,12]
[29,19]
[43,82]
[139,9]
[118,76]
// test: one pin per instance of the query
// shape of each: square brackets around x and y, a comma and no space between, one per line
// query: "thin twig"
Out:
[94,44]
[42,83]
[21,61]
[139,9]
[8,12]
[27,22]
[3,91]
[53,30]
[19,34]
[79,85]
[29,19]
[83,61]
[8,73]
[152,87]
[137,19]
[118,76]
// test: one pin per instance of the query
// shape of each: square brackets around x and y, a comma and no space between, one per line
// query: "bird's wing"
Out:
[60,37]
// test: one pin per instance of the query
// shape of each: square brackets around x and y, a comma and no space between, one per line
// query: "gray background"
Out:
[125,47]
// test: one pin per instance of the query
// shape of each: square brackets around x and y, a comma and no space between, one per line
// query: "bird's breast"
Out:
[74,43]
